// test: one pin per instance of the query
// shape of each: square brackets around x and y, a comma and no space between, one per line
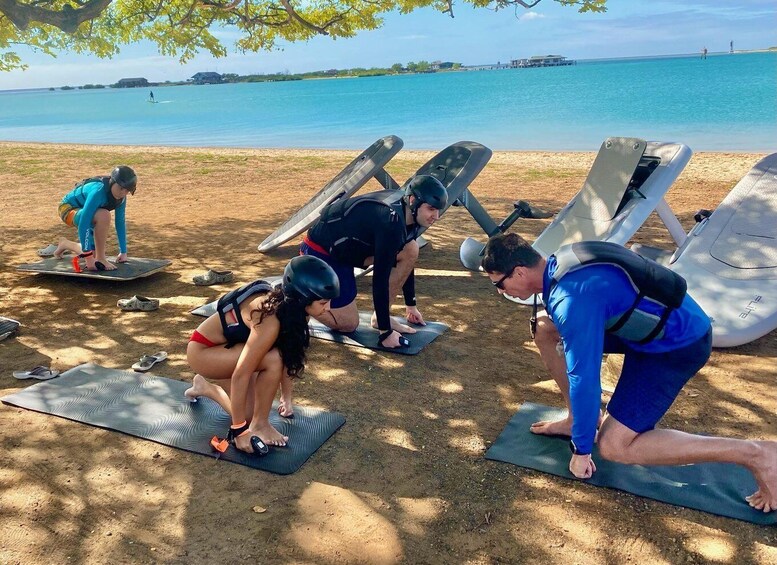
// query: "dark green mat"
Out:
[364,336]
[717,488]
[134,268]
[155,408]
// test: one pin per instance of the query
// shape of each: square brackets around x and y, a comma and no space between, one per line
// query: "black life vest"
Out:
[649,280]
[112,202]
[349,246]
[238,331]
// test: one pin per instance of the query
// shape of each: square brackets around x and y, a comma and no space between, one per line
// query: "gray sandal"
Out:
[148,361]
[138,304]
[213,277]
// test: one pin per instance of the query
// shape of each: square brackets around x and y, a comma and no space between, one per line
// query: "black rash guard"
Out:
[357,228]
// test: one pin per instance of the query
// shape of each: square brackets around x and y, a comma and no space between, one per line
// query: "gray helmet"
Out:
[426,189]
[307,279]
[125,177]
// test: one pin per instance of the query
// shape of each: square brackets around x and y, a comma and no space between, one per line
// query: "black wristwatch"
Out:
[573,449]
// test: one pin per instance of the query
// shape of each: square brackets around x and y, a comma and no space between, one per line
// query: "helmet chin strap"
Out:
[414,207]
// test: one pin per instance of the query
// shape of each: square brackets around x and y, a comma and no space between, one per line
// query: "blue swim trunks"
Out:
[650,382]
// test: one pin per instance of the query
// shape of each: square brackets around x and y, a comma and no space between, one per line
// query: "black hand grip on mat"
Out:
[260,448]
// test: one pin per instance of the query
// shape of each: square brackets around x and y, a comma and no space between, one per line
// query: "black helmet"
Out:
[125,177]
[307,279]
[426,189]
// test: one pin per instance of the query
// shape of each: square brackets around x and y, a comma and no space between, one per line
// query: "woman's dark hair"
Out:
[294,336]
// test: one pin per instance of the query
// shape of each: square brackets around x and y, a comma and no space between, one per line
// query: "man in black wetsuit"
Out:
[376,229]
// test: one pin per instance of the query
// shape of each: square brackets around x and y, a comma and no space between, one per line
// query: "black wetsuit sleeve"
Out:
[408,289]
[388,242]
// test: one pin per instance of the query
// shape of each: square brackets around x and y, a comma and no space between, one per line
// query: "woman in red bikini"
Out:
[256,342]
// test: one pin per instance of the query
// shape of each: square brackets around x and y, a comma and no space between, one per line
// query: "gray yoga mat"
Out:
[134,268]
[155,408]
[364,336]
[7,327]
[717,488]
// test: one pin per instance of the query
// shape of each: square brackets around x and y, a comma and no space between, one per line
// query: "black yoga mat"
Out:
[717,488]
[364,336]
[155,408]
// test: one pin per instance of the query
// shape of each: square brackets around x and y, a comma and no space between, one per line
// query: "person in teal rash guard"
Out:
[88,208]
[603,298]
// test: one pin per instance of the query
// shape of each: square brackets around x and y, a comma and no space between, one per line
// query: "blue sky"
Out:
[630,28]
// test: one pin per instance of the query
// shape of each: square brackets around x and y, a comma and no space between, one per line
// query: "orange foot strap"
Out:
[219,445]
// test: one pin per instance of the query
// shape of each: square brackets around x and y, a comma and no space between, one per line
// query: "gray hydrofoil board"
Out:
[456,167]
[349,180]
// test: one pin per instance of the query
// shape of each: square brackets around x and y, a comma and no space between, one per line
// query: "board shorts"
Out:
[650,382]
[344,273]
[69,214]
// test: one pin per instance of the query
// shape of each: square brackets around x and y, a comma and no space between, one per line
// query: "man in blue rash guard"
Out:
[582,303]
[380,230]
[88,208]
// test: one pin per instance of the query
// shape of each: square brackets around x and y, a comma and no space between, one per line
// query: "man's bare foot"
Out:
[558,427]
[765,471]
[268,434]
[199,385]
[549,428]
[396,325]
[285,408]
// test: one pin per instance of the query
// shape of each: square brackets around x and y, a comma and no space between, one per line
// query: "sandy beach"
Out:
[404,480]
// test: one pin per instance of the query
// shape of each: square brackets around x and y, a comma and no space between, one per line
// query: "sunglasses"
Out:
[500,284]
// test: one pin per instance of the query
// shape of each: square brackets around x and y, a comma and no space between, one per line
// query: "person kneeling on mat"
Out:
[254,343]
[604,298]
[88,208]
[376,229]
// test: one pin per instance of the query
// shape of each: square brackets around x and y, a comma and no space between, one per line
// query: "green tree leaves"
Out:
[181,28]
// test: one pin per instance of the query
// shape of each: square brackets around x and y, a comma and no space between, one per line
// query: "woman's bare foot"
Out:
[396,325]
[765,471]
[285,408]
[268,434]
[198,388]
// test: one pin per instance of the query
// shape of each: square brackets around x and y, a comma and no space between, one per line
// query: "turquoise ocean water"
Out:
[723,103]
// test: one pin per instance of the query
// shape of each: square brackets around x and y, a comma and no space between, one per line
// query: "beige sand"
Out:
[405,479]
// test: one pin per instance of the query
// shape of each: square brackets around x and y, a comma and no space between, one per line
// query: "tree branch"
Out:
[300,20]
[67,19]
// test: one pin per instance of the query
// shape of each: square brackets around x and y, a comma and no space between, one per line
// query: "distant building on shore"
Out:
[489,67]
[131,83]
[207,78]
[541,61]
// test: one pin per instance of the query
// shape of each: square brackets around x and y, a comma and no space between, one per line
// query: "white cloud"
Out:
[531,16]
